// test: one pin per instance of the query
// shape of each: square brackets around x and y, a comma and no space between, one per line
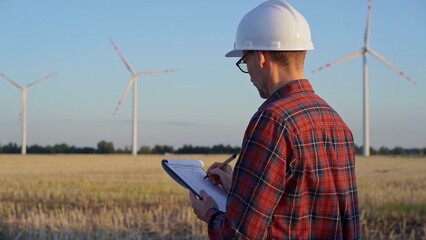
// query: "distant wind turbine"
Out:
[363,51]
[133,82]
[24,106]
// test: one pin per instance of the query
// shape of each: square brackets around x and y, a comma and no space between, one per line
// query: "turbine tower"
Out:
[133,82]
[24,106]
[363,51]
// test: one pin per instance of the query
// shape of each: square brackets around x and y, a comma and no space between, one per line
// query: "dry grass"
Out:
[392,197]
[121,197]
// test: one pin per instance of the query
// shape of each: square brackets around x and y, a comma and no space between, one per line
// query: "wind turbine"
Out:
[24,106]
[363,51]
[133,82]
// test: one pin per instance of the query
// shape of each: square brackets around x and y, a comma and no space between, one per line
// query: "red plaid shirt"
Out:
[295,177]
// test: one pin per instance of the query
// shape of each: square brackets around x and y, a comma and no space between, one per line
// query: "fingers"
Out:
[218,172]
[228,169]
[218,176]
[214,173]
[202,206]
[222,177]
[214,165]
[204,195]
[215,180]
[195,204]
[192,198]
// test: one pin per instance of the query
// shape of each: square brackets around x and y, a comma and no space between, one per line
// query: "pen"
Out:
[225,162]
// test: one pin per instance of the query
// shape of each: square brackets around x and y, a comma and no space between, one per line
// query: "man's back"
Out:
[296,174]
[320,186]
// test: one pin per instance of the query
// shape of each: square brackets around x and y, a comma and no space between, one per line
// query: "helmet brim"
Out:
[234,53]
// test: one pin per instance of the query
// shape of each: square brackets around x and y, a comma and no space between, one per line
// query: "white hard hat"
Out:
[272,26]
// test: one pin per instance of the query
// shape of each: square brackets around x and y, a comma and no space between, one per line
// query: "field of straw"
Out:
[121,197]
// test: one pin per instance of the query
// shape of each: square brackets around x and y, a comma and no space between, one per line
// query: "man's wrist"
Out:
[211,212]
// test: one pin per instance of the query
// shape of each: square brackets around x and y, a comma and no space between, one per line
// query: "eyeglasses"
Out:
[242,65]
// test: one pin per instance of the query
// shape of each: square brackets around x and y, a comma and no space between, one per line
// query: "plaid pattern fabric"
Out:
[295,176]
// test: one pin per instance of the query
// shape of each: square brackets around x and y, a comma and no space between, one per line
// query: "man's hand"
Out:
[220,176]
[202,206]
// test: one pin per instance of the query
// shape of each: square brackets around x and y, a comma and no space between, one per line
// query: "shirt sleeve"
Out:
[257,182]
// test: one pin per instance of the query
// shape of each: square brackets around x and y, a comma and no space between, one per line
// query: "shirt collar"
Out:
[293,87]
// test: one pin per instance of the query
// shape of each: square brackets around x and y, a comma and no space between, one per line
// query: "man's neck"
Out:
[282,76]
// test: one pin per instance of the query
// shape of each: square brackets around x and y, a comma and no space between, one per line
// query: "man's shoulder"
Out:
[302,111]
[296,104]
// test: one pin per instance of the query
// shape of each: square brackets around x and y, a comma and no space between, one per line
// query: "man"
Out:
[295,176]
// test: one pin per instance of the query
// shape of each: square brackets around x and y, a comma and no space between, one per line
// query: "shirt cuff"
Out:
[212,212]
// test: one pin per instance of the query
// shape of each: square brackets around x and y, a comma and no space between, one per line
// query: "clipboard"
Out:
[190,174]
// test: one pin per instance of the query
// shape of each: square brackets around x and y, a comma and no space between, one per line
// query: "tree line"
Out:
[105,147]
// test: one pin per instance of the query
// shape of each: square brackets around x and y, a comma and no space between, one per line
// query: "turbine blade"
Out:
[120,101]
[157,71]
[11,81]
[40,80]
[367,27]
[396,69]
[340,60]
[122,57]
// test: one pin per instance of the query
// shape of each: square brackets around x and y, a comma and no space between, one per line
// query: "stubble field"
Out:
[121,197]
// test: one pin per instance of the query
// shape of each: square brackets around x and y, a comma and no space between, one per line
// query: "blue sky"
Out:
[209,101]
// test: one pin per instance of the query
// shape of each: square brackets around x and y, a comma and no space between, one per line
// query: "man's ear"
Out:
[261,57]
